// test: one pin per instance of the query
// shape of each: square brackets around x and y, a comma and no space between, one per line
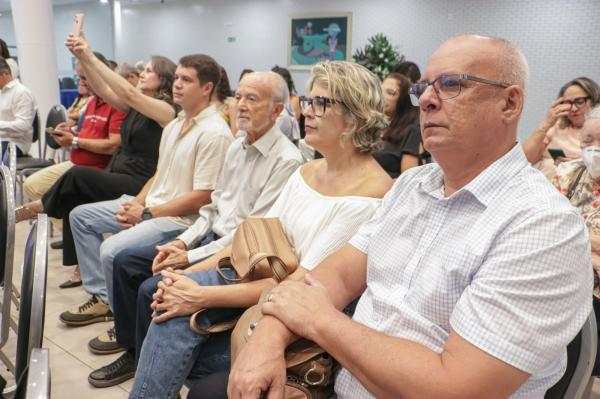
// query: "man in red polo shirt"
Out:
[93,146]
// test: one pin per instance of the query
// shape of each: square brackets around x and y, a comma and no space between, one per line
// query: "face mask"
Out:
[591,160]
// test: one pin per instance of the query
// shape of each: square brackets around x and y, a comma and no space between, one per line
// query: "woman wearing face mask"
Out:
[579,180]
[560,129]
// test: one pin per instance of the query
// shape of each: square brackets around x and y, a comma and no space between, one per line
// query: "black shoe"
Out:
[105,343]
[114,373]
[70,284]
[56,245]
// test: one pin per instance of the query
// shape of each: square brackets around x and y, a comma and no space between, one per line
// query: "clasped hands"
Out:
[130,214]
[303,307]
[177,295]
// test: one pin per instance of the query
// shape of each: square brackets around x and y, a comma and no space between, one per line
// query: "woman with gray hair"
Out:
[320,208]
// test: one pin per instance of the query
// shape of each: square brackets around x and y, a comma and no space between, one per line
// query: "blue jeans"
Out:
[172,351]
[95,256]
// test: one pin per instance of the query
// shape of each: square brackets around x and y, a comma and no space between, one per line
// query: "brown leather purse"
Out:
[260,249]
[309,368]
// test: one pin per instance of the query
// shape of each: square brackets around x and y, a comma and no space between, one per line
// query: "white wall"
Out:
[97,25]
[559,37]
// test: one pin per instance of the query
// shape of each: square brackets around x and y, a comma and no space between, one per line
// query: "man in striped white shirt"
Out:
[475,274]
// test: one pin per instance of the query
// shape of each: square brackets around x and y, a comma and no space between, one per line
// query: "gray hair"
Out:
[125,69]
[511,65]
[593,113]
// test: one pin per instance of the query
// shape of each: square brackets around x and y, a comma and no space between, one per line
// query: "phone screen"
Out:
[555,153]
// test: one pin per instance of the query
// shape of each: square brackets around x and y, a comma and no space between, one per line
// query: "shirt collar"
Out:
[485,186]
[264,144]
[205,113]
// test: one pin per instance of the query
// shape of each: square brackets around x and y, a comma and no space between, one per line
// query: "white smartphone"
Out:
[77,24]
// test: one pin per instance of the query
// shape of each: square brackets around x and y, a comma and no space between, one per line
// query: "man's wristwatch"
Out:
[75,143]
[146,214]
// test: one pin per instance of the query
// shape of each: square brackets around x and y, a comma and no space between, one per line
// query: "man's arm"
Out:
[141,197]
[186,204]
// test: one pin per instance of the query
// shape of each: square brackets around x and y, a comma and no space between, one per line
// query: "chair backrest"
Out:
[7,247]
[56,115]
[68,83]
[581,354]
[36,128]
[30,331]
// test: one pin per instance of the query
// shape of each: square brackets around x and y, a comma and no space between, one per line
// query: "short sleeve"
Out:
[413,140]
[116,119]
[532,293]
[210,159]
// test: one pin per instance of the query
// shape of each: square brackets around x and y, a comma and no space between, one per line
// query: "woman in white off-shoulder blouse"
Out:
[321,207]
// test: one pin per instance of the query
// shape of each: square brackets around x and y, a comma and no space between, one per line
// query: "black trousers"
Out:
[84,185]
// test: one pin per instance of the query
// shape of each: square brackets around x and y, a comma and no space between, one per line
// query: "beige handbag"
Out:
[260,249]
[309,368]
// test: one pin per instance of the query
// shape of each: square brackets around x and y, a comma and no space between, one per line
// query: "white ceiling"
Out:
[5,4]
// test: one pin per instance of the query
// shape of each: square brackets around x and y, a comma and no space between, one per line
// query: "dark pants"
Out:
[4,156]
[132,268]
[83,185]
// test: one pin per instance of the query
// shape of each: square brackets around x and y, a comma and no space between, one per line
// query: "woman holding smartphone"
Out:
[562,125]
[149,108]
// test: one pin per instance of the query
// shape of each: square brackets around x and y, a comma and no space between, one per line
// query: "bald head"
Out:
[271,81]
[505,62]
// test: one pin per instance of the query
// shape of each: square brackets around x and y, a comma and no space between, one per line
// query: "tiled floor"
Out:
[70,360]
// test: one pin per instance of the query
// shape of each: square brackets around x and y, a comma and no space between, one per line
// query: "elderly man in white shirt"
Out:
[475,274]
[256,169]
[17,111]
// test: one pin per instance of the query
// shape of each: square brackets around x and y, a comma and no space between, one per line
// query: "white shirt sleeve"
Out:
[517,308]
[23,109]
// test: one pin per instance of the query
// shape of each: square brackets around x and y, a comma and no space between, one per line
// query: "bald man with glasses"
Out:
[475,274]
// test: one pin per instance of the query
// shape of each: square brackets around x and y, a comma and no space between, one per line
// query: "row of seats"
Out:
[30,366]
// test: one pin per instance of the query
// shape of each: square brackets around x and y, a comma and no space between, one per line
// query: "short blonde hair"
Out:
[360,92]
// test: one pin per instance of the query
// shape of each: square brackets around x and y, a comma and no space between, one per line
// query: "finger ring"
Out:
[269,297]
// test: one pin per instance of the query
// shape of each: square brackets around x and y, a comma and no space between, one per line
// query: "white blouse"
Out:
[317,225]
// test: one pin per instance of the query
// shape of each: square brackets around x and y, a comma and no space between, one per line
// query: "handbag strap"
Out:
[575,183]
[213,329]
[275,262]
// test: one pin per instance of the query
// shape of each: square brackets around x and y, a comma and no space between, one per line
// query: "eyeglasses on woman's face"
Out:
[318,104]
[578,102]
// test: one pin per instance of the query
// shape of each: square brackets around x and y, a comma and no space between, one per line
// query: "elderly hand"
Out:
[179,296]
[556,111]
[259,368]
[301,306]
[173,255]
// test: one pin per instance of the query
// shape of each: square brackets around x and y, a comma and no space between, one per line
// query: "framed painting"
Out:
[318,37]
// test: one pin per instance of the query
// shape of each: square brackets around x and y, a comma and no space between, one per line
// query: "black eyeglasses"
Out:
[577,102]
[318,104]
[448,86]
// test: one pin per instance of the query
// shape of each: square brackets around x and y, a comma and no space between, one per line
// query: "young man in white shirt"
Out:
[17,111]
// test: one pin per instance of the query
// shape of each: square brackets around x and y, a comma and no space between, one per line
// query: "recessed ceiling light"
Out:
[104,1]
